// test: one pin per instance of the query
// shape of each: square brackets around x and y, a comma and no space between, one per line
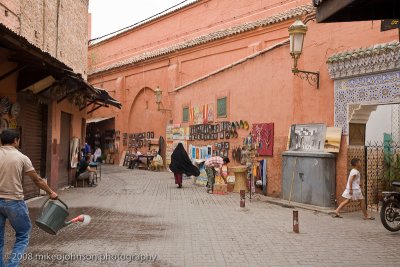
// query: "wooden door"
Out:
[65,137]
[32,123]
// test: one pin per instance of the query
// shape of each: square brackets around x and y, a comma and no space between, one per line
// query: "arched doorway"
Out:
[144,115]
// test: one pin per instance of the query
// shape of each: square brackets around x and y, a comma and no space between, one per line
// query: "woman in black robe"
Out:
[181,163]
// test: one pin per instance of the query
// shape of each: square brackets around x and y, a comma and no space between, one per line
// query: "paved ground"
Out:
[143,213]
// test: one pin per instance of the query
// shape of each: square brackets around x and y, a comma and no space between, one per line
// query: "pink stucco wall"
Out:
[260,90]
[195,20]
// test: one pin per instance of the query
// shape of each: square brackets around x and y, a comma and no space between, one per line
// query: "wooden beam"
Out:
[64,97]
[96,108]
[88,104]
[7,74]
[329,7]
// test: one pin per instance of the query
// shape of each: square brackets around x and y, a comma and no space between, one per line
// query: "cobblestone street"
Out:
[140,212]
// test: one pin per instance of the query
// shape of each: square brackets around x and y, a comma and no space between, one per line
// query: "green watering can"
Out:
[52,216]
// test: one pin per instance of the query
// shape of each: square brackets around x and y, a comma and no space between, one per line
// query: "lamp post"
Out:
[158,94]
[297,31]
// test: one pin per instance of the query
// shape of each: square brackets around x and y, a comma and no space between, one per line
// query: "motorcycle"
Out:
[390,212]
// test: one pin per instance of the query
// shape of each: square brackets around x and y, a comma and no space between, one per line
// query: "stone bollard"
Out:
[242,198]
[296,221]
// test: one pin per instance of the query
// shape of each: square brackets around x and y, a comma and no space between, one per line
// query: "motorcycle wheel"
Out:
[389,215]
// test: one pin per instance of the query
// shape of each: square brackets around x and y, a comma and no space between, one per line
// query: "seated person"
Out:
[156,162]
[134,161]
[97,155]
[85,172]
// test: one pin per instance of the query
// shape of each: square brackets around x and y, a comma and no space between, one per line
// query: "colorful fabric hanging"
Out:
[205,114]
[191,115]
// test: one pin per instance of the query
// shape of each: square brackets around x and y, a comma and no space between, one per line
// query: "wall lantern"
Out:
[158,93]
[297,31]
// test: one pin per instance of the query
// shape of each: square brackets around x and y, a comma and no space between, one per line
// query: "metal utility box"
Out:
[310,176]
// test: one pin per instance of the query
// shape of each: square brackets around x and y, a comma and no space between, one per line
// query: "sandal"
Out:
[336,215]
[246,125]
[231,133]
[235,134]
[369,218]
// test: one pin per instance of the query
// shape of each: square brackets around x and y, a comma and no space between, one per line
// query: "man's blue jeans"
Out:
[17,214]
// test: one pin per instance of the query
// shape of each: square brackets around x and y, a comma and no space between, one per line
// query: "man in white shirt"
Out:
[13,167]
[97,154]
[134,161]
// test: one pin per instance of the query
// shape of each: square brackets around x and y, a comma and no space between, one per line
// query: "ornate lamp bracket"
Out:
[311,77]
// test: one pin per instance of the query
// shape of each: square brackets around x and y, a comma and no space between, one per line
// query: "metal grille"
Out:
[383,166]
[396,123]
[380,166]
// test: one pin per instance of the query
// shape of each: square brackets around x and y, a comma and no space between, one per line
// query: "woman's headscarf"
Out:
[181,163]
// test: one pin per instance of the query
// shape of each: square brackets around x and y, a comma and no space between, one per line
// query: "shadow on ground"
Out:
[106,227]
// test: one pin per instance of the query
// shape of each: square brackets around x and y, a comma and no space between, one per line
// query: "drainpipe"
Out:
[58,18]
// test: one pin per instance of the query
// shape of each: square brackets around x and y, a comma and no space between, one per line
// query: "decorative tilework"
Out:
[363,61]
[382,88]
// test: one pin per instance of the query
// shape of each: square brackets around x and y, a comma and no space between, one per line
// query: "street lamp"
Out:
[297,31]
[158,93]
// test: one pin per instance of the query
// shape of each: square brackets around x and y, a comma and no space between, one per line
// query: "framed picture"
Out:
[305,137]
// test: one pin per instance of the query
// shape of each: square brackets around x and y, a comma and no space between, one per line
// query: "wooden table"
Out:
[148,159]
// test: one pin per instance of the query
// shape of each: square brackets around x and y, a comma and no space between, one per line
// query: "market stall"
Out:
[101,133]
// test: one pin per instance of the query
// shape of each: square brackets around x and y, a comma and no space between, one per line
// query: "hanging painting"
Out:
[307,137]
[210,113]
[263,138]
[333,139]
[198,115]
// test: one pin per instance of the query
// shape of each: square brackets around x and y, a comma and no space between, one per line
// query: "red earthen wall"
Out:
[261,90]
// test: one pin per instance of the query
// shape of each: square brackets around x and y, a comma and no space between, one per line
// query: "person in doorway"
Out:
[86,172]
[97,155]
[13,167]
[82,155]
[134,160]
[181,163]
[87,148]
[215,165]
[353,191]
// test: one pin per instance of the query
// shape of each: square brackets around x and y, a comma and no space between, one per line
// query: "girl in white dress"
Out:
[353,190]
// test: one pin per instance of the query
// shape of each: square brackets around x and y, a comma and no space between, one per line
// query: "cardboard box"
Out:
[220,189]
[230,187]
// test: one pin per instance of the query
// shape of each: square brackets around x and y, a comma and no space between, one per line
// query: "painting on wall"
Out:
[333,139]
[198,115]
[263,137]
[307,137]
[209,113]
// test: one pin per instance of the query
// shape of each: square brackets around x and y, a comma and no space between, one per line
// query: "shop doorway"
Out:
[65,137]
[100,133]
[32,124]
[374,134]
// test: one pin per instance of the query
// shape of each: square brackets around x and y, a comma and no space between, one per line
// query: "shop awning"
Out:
[356,10]
[103,95]
[42,74]
[98,119]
